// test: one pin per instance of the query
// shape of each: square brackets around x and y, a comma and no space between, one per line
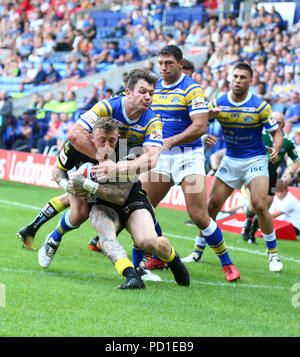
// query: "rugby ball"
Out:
[85,170]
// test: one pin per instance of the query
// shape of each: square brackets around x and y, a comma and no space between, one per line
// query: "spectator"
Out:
[158,13]
[52,76]
[292,115]
[69,106]
[286,207]
[6,112]
[41,76]
[23,132]
[50,138]
[66,125]
[91,100]
[29,74]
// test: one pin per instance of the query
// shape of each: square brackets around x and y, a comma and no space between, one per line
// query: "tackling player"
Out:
[119,205]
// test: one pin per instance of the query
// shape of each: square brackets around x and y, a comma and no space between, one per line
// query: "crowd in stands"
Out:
[37,33]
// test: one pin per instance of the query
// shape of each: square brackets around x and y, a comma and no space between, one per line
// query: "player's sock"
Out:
[199,246]
[137,255]
[214,238]
[50,210]
[249,219]
[63,227]
[254,226]
[171,257]
[125,267]
[271,242]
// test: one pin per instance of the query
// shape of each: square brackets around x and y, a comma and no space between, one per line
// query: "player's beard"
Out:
[241,92]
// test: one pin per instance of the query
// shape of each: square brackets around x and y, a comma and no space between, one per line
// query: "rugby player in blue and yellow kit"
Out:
[181,104]
[243,116]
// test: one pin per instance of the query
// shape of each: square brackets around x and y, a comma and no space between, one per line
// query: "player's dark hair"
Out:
[244,66]
[171,50]
[140,73]
[107,124]
[188,65]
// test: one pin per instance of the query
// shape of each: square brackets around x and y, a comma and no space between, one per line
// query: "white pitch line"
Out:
[256,252]
[92,275]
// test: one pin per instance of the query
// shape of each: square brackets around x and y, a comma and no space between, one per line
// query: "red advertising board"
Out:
[36,169]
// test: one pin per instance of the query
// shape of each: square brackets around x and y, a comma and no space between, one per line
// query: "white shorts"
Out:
[236,172]
[176,164]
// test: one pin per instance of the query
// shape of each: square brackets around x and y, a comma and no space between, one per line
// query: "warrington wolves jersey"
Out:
[242,124]
[147,130]
[176,103]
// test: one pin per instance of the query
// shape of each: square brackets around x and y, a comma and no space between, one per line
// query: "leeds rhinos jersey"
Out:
[176,103]
[242,124]
[147,130]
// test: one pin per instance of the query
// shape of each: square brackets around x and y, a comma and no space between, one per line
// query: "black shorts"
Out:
[137,199]
[272,185]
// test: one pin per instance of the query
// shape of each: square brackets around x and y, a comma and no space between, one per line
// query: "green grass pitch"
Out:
[78,296]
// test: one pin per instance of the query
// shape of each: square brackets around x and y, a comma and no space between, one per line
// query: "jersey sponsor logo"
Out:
[175,100]
[257,168]
[271,120]
[63,157]
[198,103]
[156,134]
[247,119]
[90,116]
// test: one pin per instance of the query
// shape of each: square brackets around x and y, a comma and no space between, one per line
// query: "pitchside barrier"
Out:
[36,169]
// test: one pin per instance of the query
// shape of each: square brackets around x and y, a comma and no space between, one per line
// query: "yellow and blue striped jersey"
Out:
[176,103]
[147,130]
[242,124]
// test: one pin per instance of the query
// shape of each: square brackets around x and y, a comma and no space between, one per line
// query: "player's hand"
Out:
[209,141]
[75,185]
[104,171]
[213,112]
[273,154]
[166,145]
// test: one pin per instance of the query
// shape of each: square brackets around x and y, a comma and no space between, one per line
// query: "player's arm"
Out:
[191,133]
[291,170]
[277,144]
[116,193]
[80,139]
[108,169]
[276,214]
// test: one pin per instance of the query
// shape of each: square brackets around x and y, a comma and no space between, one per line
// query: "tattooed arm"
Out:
[116,193]
[61,178]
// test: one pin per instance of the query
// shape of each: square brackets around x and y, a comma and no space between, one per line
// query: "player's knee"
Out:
[147,243]
[259,207]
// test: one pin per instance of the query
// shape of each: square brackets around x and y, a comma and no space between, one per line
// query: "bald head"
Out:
[279,117]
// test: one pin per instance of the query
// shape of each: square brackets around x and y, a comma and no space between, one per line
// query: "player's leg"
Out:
[194,189]
[249,219]
[157,186]
[105,221]
[141,226]
[71,219]
[272,189]
[258,187]
[50,210]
